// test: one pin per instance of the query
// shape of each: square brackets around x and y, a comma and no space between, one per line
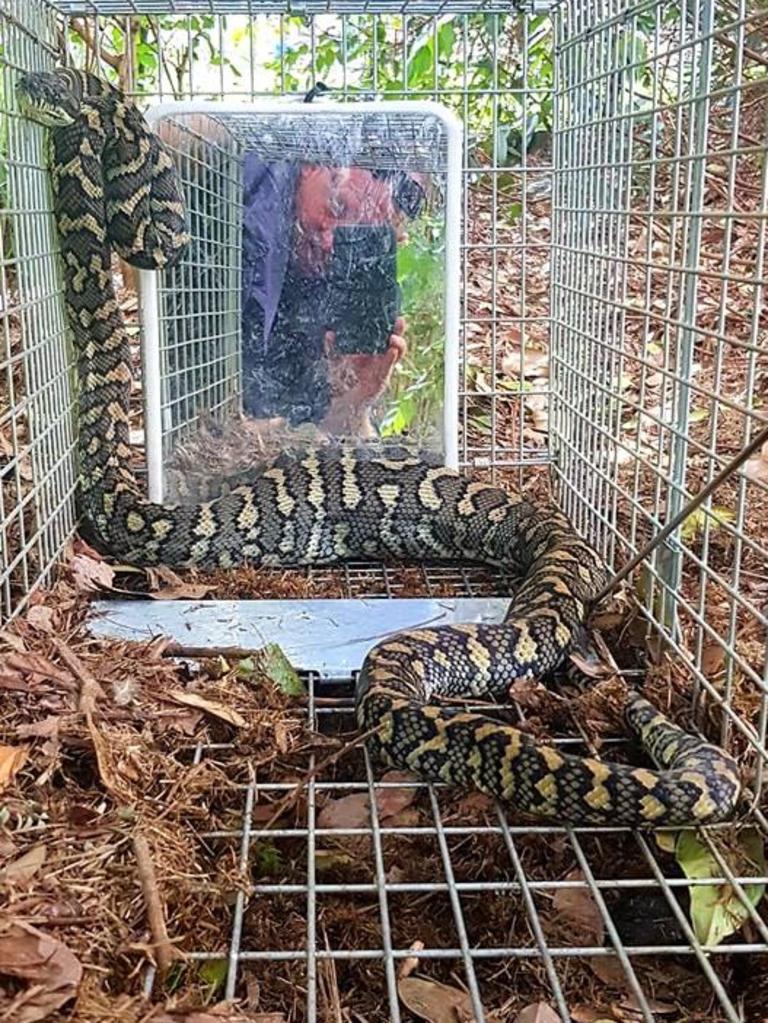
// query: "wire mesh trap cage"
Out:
[613,342]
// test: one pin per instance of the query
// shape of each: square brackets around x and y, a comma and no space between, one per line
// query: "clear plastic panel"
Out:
[318,296]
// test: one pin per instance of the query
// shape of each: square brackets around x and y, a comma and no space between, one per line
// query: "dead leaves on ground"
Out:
[88,569]
[354,811]
[213,707]
[223,1013]
[165,584]
[435,1002]
[576,910]
[756,467]
[540,1012]
[23,869]
[12,759]
[52,970]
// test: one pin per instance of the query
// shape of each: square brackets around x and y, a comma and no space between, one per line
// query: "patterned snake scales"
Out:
[115,189]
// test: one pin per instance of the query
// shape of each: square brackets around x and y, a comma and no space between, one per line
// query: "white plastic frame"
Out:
[148,286]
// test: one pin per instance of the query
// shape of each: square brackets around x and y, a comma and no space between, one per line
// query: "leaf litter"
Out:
[103,769]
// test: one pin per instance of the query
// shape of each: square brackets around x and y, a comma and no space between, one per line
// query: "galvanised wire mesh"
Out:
[490,883]
[659,323]
[199,316]
[36,436]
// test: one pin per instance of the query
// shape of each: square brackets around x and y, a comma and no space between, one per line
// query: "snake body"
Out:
[115,189]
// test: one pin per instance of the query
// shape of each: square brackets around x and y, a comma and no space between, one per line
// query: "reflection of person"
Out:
[291,366]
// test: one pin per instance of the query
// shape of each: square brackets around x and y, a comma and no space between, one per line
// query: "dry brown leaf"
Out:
[577,907]
[42,617]
[661,1008]
[185,721]
[391,802]
[223,1014]
[348,812]
[12,640]
[12,759]
[187,591]
[80,546]
[535,362]
[540,1012]
[531,694]
[473,805]
[712,658]
[17,683]
[436,1003]
[756,467]
[22,870]
[36,664]
[609,970]
[52,969]
[104,759]
[90,575]
[47,728]
[537,405]
[586,1014]
[592,667]
[353,811]
[164,584]
[407,966]
[212,707]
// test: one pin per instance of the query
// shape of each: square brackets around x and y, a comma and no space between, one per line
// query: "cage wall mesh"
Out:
[659,323]
[199,298]
[36,434]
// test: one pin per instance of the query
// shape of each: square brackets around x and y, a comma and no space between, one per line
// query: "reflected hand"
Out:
[357,380]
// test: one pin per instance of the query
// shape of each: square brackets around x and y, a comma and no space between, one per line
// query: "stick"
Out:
[91,690]
[164,952]
[282,804]
[757,441]
[208,652]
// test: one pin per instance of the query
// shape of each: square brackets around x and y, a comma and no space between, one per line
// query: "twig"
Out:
[748,51]
[757,442]
[207,652]
[90,690]
[164,951]
[290,797]
[113,59]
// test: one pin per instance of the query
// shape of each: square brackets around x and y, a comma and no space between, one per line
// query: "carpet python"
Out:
[115,190]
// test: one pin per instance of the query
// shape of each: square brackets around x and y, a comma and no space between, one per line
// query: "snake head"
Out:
[51,98]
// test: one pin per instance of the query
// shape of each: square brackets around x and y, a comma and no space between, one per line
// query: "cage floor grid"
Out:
[338,908]
[351,901]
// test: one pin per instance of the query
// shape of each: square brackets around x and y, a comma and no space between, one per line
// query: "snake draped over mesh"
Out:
[115,190]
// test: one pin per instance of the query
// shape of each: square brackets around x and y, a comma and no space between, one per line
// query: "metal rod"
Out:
[728,470]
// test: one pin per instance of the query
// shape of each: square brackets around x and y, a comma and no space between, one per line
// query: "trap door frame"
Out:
[150,281]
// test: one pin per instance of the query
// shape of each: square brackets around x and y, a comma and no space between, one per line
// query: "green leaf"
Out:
[446,36]
[513,210]
[420,64]
[699,415]
[716,910]
[695,522]
[267,859]
[270,662]
[213,972]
